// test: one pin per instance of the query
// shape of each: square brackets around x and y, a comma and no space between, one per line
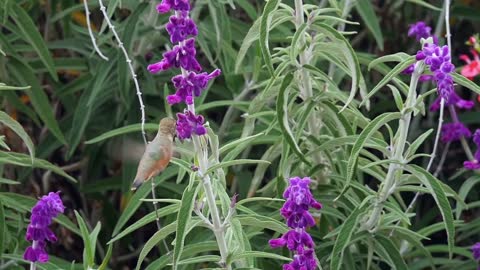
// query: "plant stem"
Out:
[218,228]
[33,266]
[398,149]
[90,32]
[305,82]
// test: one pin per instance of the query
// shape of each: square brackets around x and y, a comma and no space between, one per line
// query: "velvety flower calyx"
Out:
[455,100]
[476,251]
[180,56]
[178,5]
[188,124]
[419,30]
[180,27]
[49,207]
[475,163]
[189,86]
[454,132]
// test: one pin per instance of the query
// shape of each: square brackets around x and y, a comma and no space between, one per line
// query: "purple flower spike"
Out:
[188,124]
[295,210]
[454,132]
[438,59]
[38,232]
[419,30]
[179,5]
[476,251]
[191,85]
[475,165]
[180,27]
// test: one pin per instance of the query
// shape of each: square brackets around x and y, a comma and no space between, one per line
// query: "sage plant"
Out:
[190,84]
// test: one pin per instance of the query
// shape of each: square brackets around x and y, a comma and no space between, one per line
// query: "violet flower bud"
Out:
[419,30]
[454,132]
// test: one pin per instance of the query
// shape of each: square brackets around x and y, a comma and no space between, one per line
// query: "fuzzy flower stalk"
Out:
[48,208]
[295,210]
[190,83]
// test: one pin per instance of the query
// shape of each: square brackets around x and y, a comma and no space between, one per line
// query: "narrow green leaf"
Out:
[7,87]
[366,11]
[366,133]
[441,199]
[396,57]
[235,162]
[258,254]
[392,252]
[282,115]
[25,161]
[466,187]
[2,227]
[265,22]
[31,35]
[183,219]
[159,236]
[23,73]
[460,79]
[425,4]
[88,252]
[412,149]
[122,131]
[343,238]
[390,75]
[17,128]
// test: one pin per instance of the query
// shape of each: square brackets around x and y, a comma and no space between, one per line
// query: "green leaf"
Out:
[257,254]
[364,136]
[7,87]
[390,75]
[150,217]
[460,79]
[396,57]
[365,9]
[392,252]
[350,56]
[183,219]
[412,149]
[265,22]
[25,161]
[30,33]
[154,240]
[88,252]
[8,181]
[440,197]
[17,128]
[343,238]
[235,162]
[425,4]
[141,193]
[236,143]
[23,73]
[282,115]
[122,131]
[466,187]
[2,227]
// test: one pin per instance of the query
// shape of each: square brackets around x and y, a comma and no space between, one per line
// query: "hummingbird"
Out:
[157,154]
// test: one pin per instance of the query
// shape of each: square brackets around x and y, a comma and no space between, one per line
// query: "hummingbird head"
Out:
[168,126]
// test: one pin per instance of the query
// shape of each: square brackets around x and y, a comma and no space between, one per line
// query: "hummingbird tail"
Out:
[136,184]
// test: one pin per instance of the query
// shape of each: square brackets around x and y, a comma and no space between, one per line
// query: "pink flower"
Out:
[472,69]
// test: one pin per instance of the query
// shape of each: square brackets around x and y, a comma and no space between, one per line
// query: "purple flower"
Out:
[419,30]
[454,131]
[409,70]
[38,232]
[302,261]
[188,123]
[191,85]
[180,27]
[295,210]
[453,100]
[475,164]
[438,59]
[294,240]
[166,5]
[476,251]
[182,55]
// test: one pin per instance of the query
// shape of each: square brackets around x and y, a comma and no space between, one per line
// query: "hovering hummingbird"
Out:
[157,154]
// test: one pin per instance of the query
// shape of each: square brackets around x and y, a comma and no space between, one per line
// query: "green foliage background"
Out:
[70,122]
